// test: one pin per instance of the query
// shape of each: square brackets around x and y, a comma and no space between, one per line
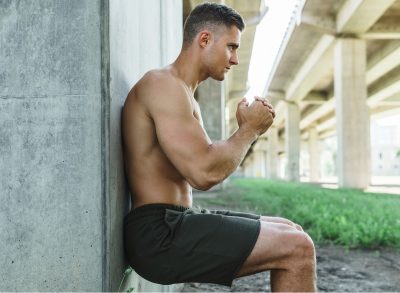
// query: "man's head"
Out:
[212,33]
[210,16]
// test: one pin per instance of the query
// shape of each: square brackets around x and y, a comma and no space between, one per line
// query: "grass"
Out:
[347,217]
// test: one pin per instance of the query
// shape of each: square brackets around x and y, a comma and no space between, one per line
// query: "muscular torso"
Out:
[151,176]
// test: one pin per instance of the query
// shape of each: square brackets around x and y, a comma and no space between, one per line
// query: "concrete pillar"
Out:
[260,156]
[353,124]
[313,150]
[211,98]
[248,167]
[253,166]
[272,153]
[245,169]
[230,117]
[51,188]
[259,164]
[292,140]
[65,70]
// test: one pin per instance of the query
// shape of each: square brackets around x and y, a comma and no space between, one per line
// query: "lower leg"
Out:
[288,253]
[299,273]
[293,281]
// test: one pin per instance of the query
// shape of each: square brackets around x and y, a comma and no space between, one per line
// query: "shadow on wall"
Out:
[118,191]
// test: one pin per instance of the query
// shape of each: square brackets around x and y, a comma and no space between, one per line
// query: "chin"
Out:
[219,77]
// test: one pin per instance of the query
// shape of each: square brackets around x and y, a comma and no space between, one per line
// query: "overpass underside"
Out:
[338,68]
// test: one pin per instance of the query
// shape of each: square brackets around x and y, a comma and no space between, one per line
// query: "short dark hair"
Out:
[207,15]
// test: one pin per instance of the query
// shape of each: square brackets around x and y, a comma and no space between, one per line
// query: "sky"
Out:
[390,120]
[269,34]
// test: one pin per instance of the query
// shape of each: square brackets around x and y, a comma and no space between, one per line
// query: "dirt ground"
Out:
[339,270]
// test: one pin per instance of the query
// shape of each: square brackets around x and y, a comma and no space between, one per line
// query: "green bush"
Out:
[347,217]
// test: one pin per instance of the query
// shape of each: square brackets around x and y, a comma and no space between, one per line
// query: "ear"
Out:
[204,38]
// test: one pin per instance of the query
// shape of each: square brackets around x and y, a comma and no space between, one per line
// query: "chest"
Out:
[197,113]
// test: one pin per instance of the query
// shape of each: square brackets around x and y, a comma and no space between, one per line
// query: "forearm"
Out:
[223,157]
[230,153]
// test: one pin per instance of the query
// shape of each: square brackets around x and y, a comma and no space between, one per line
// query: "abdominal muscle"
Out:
[157,181]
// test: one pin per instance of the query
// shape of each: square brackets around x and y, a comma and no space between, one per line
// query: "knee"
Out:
[304,251]
[306,245]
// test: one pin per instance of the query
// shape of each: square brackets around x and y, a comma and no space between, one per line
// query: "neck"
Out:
[188,68]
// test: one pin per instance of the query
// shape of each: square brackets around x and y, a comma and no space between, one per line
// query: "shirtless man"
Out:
[167,152]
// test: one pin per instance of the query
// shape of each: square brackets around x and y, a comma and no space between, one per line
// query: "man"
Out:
[167,152]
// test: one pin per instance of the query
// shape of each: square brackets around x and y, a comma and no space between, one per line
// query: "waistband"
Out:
[153,209]
[157,207]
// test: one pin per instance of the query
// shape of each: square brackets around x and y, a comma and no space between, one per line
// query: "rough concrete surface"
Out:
[66,67]
[50,146]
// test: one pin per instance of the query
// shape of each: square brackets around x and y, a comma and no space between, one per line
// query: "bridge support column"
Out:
[352,113]
[211,99]
[314,154]
[260,155]
[272,153]
[292,141]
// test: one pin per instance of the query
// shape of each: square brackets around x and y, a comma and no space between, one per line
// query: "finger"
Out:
[243,102]
[272,113]
[267,105]
[264,101]
[259,99]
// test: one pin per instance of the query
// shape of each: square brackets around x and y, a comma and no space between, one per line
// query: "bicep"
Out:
[182,138]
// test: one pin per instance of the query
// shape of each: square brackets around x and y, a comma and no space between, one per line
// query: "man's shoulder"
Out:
[160,85]
[160,77]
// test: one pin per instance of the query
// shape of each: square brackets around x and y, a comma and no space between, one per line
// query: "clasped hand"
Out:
[257,116]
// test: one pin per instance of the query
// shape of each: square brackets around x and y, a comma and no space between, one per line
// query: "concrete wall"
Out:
[143,35]
[50,146]
[65,69]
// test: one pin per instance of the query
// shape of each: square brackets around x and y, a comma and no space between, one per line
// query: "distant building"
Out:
[385,148]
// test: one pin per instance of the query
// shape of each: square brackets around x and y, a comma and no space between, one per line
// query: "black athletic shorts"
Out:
[169,244]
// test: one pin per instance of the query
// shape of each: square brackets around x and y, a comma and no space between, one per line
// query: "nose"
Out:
[234,58]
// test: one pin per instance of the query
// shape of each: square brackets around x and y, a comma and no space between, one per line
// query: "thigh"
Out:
[205,247]
[281,221]
[236,214]
[274,247]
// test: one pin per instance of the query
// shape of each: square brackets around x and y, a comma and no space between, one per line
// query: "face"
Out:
[222,52]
